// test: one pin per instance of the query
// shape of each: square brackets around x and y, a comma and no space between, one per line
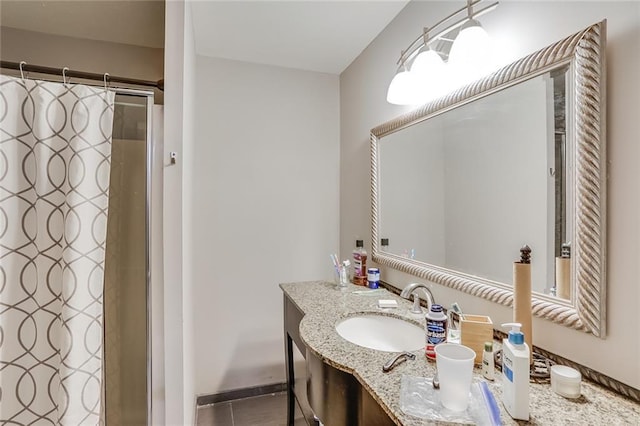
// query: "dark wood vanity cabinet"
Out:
[335,396]
[296,386]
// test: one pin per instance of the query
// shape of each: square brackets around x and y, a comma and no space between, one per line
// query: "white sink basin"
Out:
[382,333]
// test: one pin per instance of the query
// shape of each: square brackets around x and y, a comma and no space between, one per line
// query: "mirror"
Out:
[479,181]
[460,184]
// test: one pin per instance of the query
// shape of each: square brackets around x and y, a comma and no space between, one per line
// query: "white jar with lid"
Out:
[565,381]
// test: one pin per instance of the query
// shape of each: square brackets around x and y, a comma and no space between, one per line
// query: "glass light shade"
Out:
[470,57]
[427,62]
[429,75]
[402,89]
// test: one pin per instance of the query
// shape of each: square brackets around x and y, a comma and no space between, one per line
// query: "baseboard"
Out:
[240,393]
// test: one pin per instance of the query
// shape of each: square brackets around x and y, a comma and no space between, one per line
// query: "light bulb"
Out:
[429,75]
[402,89]
[470,57]
[426,62]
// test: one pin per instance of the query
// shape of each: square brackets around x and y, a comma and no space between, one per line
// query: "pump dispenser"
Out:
[515,373]
[515,335]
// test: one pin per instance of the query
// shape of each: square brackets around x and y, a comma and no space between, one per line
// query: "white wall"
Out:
[263,210]
[177,233]
[189,90]
[172,214]
[521,28]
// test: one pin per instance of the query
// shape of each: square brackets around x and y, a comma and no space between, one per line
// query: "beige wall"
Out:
[78,54]
[521,28]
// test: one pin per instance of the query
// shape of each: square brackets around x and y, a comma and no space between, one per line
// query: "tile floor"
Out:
[264,410]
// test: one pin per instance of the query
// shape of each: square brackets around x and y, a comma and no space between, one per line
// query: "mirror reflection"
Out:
[466,189]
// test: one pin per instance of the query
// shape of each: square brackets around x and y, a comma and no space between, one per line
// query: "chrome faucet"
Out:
[411,289]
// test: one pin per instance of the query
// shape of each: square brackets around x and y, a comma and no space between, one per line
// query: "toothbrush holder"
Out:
[341,276]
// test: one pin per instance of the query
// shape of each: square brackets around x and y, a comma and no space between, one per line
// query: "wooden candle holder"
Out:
[474,331]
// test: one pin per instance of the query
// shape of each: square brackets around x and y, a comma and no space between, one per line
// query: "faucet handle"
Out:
[388,366]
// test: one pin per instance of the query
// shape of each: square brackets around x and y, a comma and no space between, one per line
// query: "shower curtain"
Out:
[55,148]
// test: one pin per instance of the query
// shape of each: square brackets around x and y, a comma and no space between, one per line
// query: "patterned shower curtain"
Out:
[55,150]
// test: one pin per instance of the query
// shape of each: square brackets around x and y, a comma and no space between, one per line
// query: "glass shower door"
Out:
[125,294]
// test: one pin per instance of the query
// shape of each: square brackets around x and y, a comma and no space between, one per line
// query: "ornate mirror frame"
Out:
[585,52]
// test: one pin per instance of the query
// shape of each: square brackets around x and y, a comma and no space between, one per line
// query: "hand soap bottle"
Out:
[515,373]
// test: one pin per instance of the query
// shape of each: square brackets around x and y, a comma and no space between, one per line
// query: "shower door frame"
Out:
[149,95]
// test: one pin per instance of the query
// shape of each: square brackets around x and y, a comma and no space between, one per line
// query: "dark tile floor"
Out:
[264,410]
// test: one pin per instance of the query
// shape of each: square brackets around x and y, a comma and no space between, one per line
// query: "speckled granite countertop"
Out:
[324,305]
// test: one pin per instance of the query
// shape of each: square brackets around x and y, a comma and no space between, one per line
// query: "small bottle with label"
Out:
[373,277]
[436,330]
[488,368]
[360,264]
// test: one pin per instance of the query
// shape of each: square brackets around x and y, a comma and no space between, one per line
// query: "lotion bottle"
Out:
[515,373]
[487,361]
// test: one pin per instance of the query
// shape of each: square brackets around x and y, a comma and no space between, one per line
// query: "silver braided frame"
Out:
[585,51]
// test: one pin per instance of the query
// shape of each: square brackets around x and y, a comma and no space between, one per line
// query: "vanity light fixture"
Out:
[401,89]
[469,58]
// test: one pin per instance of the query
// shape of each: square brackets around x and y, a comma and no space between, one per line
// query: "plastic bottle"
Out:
[488,368]
[360,264]
[373,277]
[436,330]
[515,373]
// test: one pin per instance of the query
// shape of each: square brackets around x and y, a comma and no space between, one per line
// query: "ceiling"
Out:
[324,36]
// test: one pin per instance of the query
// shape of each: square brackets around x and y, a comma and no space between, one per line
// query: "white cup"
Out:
[455,370]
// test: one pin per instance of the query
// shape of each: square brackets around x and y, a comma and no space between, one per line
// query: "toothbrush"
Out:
[334,260]
[456,308]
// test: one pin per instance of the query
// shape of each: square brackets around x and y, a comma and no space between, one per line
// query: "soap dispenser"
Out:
[515,373]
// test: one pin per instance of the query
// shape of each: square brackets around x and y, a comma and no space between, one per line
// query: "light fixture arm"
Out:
[424,39]
[416,44]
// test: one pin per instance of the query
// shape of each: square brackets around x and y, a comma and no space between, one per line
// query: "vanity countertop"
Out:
[324,305]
